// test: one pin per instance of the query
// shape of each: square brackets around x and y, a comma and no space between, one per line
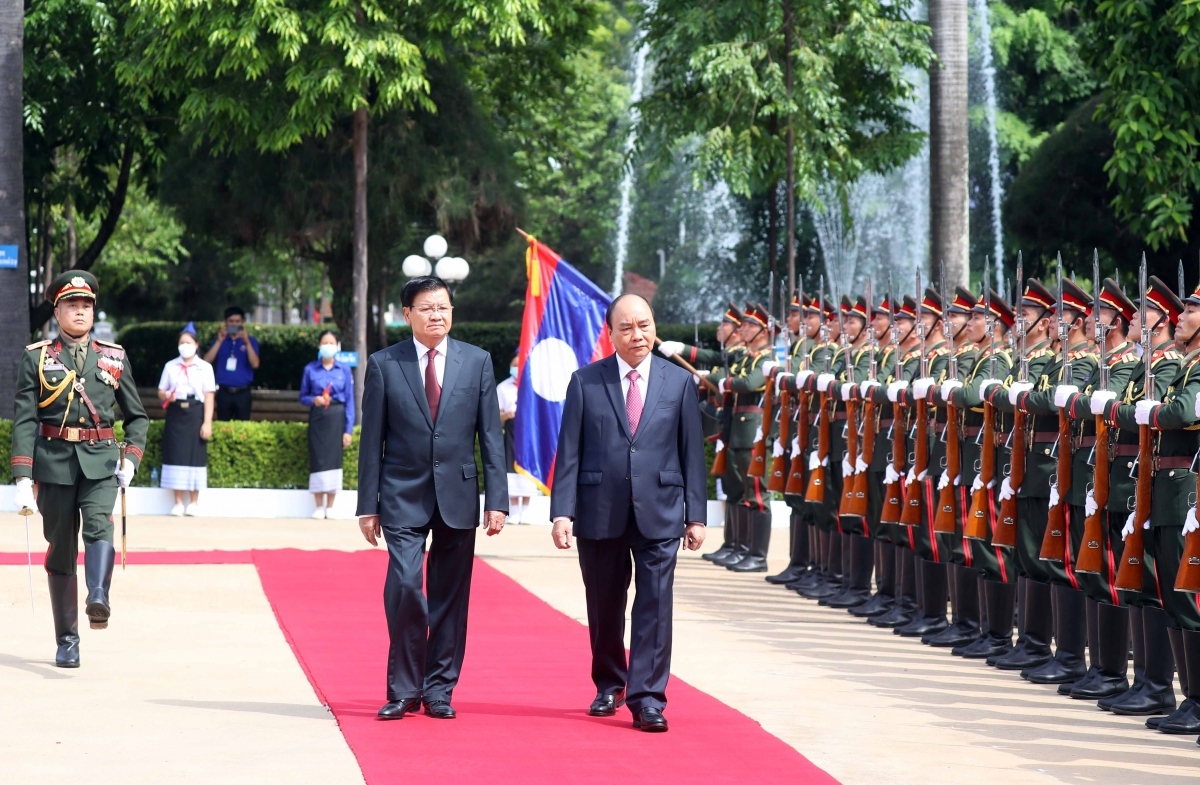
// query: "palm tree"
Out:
[948,208]
[14,283]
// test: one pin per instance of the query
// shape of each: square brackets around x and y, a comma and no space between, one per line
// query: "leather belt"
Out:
[1173,462]
[1125,450]
[971,430]
[76,434]
[231,389]
[747,410]
[885,424]
[1041,437]
[839,415]
[1087,441]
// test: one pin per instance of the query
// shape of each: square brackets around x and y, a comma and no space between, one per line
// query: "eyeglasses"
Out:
[430,310]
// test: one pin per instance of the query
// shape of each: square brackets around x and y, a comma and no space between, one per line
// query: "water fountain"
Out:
[626,191]
[988,71]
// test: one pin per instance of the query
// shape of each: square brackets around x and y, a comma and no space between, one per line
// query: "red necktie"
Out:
[433,390]
[633,402]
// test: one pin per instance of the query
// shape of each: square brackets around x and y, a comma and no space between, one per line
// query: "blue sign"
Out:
[8,257]
[347,358]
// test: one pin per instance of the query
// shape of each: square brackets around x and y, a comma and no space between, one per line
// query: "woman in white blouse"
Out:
[187,390]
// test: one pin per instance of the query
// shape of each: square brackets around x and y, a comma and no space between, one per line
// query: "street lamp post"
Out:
[451,269]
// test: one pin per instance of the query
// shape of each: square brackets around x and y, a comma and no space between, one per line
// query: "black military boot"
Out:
[1039,625]
[965,602]
[798,552]
[1110,654]
[1067,666]
[905,604]
[999,599]
[760,542]
[1158,696]
[862,565]
[833,569]
[1092,611]
[885,583]
[933,593]
[97,571]
[847,569]
[64,605]
[1137,641]
[1185,645]
[727,534]
[740,541]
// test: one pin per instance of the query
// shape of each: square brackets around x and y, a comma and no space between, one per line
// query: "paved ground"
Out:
[194,681]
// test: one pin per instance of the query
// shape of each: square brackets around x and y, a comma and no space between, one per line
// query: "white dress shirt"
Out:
[643,376]
[439,362]
[186,380]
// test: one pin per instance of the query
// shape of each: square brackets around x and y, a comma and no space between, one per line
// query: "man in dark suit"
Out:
[424,403]
[630,479]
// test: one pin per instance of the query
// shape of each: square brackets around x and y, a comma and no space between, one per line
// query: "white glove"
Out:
[1054,498]
[1128,528]
[890,476]
[768,366]
[670,348]
[860,465]
[779,381]
[777,451]
[823,382]
[893,390]
[1143,411]
[1089,505]
[944,480]
[1062,393]
[986,383]
[1190,524]
[977,485]
[795,446]
[696,379]
[802,378]
[24,498]
[848,389]
[721,386]
[1101,398]
[125,473]
[948,387]
[1016,389]
[758,434]
[847,466]
[814,461]
[921,386]
[720,445]
[1006,490]
[867,385]
[1146,525]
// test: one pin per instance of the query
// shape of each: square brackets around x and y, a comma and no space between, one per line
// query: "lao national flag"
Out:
[562,330]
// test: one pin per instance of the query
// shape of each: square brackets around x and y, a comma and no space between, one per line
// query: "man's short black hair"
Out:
[423,283]
[234,310]
[608,312]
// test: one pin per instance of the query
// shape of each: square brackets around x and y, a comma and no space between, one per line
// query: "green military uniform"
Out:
[63,440]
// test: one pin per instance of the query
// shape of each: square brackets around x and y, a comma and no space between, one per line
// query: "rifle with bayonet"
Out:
[979,520]
[795,473]
[893,492]
[1129,574]
[815,492]
[758,452]
[866,449]
[1054,541]
[1091,552]
[777,475]
[1187,577]
[945,521]
[849,480]
[914,491]
[1005,535]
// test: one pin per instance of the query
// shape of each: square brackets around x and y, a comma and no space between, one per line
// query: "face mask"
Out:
[187,350]
[327,350]
[512,372]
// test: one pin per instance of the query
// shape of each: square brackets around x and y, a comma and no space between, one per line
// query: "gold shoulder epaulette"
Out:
[110,344]
[37,345]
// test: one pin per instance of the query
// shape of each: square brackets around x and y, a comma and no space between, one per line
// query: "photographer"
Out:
[234,356]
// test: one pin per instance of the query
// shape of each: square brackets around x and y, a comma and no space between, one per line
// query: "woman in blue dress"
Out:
[328,390]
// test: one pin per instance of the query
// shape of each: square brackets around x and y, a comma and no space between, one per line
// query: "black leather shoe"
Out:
[878,605]
[607,705]
[1185,720]
[791,573]
[395,710]
[440,710]
[719,553]
[650,720]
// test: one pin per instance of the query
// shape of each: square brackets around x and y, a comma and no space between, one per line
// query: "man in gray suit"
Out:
[629,479]
[424,403]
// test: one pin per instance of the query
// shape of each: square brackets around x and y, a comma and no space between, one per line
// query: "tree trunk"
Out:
[14,283]
[789,230]
[772,239]
[948,152]
[362,304]
[381,303]
[72,238]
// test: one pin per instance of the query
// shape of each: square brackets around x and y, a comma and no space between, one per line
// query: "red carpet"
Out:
[521,700]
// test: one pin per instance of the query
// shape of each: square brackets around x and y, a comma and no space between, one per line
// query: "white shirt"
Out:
[192,379]
[643,370]
[506,395]
[439,362]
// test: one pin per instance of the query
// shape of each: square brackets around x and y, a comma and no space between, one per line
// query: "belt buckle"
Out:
[72,435]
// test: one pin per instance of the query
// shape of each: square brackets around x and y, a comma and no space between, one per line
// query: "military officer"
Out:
[63,440]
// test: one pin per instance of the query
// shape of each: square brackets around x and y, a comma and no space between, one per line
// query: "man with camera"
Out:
[234,356]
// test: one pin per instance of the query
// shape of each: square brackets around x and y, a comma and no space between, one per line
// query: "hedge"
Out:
[286,349]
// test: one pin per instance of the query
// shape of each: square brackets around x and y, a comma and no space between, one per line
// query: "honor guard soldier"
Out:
[67,389]
[1176,421]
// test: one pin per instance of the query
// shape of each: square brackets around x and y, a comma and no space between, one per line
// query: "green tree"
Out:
[14,283]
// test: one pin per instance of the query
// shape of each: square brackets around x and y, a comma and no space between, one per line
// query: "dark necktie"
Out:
[433,390]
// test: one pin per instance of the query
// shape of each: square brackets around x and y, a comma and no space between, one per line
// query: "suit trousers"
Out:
[428,636]
[607,567]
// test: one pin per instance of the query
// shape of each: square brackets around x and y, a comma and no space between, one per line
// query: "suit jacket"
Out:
[408,464]
[602,470]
